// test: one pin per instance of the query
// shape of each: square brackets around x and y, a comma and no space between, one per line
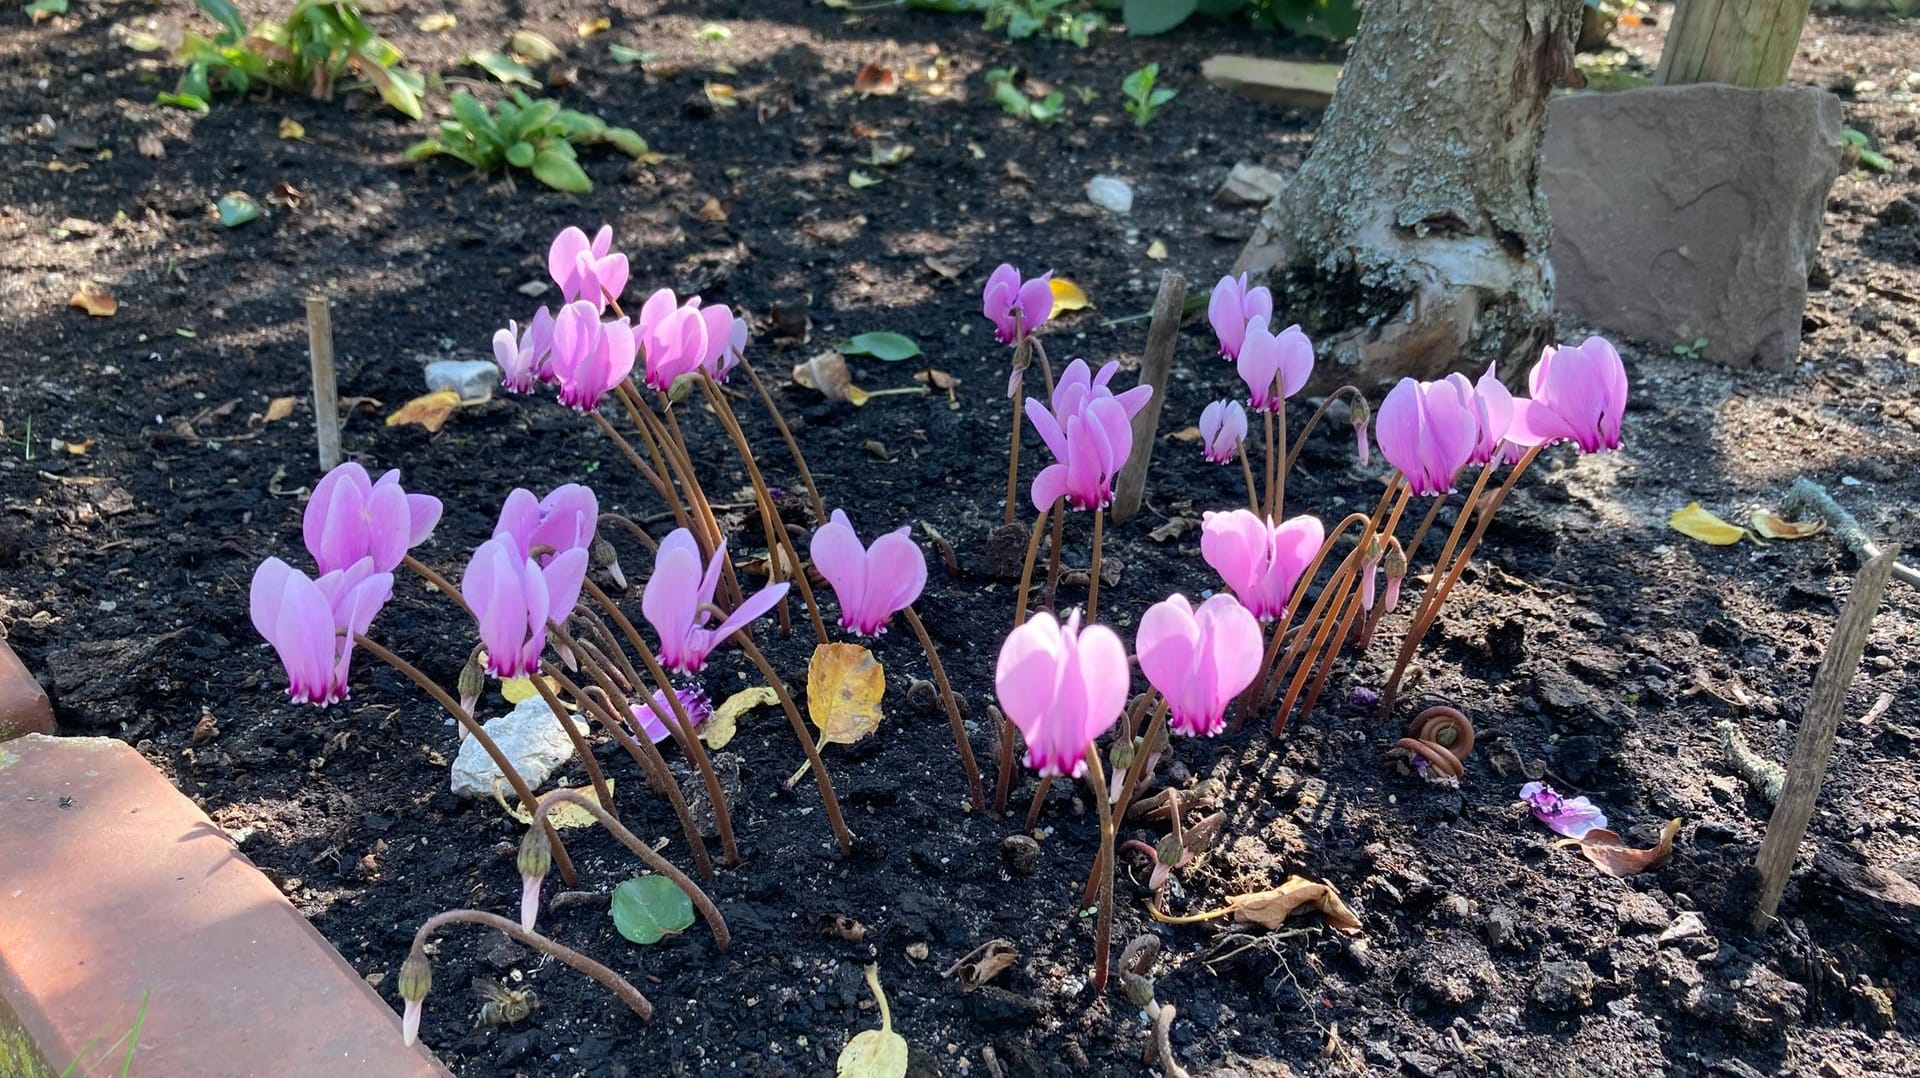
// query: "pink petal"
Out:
[841,559]
[896,574]
[564,252]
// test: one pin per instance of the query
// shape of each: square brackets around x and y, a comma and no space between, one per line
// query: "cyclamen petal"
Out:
[1569,816]
[1223,427]
[677,595]
[350,517]
[1273,367]
[1428,430]
[1579,395]
[1262,563]
[1062,686]
[312,623]
[1199,659]
[1015,307]
[872,583]
[1232,307]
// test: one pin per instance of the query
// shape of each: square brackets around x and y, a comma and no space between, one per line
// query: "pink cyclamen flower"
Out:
[563,520]
[693,699]
[872,583]
[1262,563]
[1079,383]
[1223,427]
[514,599]
[1015,307]
[587,270]
[721,364]
[1089,448]
[1232,307]
[1199,659]
[1428,430]
[350,517]
[1061,686]
[522,354]
[1579,396]
[681,338]
[679,597]
[312,623]
[589,357]
[1274,368]
[1570,816]
[1492,405]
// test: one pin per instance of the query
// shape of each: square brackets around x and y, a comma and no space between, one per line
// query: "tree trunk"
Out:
[1413,241]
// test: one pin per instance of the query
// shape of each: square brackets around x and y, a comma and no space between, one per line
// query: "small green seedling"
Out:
[538,136]
[1857,152]
[1143,101]
[319,47]
[1046,110]
[1690,351]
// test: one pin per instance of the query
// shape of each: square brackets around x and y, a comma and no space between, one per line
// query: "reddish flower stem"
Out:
[612,981]
[960,742]
[722,938]
[840,833]
[786,435]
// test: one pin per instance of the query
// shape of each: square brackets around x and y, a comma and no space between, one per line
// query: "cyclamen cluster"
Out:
[585,355]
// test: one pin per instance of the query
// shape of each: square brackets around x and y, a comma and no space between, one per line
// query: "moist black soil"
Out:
[142,485]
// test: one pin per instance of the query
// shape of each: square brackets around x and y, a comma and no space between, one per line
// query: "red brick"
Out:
[23,703]
[113,885]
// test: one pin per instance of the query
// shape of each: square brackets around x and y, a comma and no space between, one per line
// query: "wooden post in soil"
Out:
[326,391]
[1156,362]
[1743,42]
[1815,741]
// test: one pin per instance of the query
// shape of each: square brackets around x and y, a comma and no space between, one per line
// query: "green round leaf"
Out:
[236,208]
[559,171]
[890,347]
[1147,17]
[520,155]
[647,908]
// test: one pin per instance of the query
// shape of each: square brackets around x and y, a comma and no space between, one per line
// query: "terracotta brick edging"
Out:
[114,888]
[24,708]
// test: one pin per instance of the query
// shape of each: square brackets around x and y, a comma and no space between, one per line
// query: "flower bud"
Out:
[1122,753]
[416,976]
[1370,570]
[1139,989]
[606,557]
[536,853]
[473,681]
[682,387]
[1362,415]
[1395,564]
[1169,851]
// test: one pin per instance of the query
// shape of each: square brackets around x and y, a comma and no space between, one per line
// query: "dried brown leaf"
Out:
[877,80]
[94,300]
[277,409]
[1611,854]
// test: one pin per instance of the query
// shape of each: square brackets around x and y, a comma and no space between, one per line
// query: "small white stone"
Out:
[535,288]
[529,735]
[473,379]
[1110,193]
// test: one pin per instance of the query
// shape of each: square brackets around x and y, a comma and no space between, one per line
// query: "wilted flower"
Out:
[1361,414]
[1570,816]
[1061,686]
[1492,405]
[1261,562]
[587,270]
[1370,572]
[1265,359]
[523,354]
[1579,395]
[693,700]
[563,520]
[684,338]
[534,861]
[351,517]
[1015,307]
[312,623]
[872,583]
[589,357]
[1198,659]
[1232,307]
[1395,564]
[678,602]
[1223,426]
[514,599]
[1428,430]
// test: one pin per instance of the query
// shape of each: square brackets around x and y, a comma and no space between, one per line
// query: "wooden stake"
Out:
[326,392]
[1155,364]
[1744,42]
[1814,744]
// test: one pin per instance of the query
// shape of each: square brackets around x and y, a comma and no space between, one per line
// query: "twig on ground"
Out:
[1808,496]
[1762,776]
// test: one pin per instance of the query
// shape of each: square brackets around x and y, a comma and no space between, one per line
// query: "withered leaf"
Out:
[1611,854]
[877,80]
[1269,909]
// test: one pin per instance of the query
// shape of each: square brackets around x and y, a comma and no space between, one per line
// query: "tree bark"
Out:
[1413,241]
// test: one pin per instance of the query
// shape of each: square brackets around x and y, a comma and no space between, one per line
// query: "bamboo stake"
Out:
[1156,363]
[326,387]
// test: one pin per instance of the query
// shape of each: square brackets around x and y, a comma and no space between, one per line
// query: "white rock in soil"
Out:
[1249,184]
[1110,193]
[529,735]
[473,379]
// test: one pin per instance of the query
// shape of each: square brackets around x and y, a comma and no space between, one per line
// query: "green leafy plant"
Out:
[1856,150]
[881,345]
[1013,102]
[647,909]
[1021,19]
[1332,19]
[318,47]
[1690,350]
[538,136]
[1143,100]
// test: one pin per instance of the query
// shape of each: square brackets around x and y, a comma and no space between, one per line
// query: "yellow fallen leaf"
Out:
[291,128]
[65,166]
[590,27]
[78,449]
[1697,523]
[91,299]
[565,816]
[430,411]
[277,409]
[1068,296]
[1774,526]
[874,1053]
[1157,251]
[844,686]
[720,96]
[725,720]
[438,23]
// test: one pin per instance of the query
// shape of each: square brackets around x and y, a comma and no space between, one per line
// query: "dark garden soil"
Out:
[1590,640]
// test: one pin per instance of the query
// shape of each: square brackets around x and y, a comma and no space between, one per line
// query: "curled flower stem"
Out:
[681,723]
[1004,780]
[786,435]
[479,733]
[779,543]
[612,981]
[439,583]
[1103,926]
[1313,421]
[1437,597]
[722,938]
[632,528]
[960,741]
[840,833]
[580,747]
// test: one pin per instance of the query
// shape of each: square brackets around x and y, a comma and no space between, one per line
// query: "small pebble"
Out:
[473,379]
[1111,193]
[1021,852]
